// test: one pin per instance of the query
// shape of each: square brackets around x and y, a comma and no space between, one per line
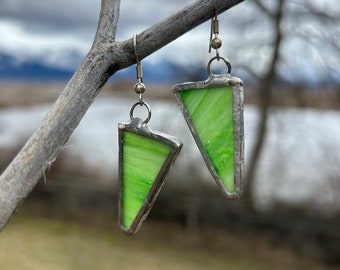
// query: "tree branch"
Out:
[265,101]
[261,6]
[104,58]
[166,31]
[108,21]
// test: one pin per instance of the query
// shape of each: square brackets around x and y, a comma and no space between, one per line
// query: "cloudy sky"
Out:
[60,33]
[51,29]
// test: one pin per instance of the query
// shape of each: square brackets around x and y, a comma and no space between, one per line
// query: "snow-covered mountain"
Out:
[13,69]
[35,69]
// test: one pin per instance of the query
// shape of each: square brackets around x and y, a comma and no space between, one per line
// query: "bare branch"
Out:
[265,100]
[103,60]
[313,12]
[107,26]
[166,31]
[264,9]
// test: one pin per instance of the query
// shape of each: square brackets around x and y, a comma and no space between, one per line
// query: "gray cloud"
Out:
[48,29]
[52,29]
[61,15]
[68,15]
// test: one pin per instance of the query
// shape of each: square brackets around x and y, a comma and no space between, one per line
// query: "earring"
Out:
[145,157]
[213,110]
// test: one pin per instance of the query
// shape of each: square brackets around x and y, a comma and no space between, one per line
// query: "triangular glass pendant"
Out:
[145,157]
[213,110]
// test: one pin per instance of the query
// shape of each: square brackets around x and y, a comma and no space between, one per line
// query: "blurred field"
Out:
[27,94]
[30,94]
[95,242]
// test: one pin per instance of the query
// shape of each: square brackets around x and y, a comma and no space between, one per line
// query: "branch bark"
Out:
[105,57]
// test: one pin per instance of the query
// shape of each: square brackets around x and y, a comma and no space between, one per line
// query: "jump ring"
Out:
[141,103]
[226,61]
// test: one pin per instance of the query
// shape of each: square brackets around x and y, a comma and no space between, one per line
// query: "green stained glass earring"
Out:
[213,110]
[145,158]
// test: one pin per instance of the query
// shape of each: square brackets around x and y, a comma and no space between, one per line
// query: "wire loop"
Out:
[225,60]
[141,103]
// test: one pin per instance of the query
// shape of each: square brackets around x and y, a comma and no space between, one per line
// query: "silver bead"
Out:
[139,88]
[216,43]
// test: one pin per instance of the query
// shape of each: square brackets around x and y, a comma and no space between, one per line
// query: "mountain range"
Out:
[164,72]
[13,69]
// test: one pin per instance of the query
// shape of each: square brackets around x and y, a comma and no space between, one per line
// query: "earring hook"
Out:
[139,86]
[135,47]
[215,42]
[138,63]
[212,26]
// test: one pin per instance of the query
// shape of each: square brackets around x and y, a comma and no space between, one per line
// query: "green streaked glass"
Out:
[211,113]
[143,158]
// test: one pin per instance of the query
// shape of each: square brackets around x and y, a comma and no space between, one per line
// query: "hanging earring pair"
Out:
[213,110]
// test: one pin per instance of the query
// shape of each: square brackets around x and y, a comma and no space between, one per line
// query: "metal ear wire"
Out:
[135,47]
[211,34]
[215,42]
[212,29]
[139,86]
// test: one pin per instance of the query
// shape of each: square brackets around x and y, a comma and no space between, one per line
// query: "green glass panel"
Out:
[211,113]
[143,158]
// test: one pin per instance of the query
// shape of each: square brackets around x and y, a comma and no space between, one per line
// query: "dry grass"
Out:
[34,242]
[28,94]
